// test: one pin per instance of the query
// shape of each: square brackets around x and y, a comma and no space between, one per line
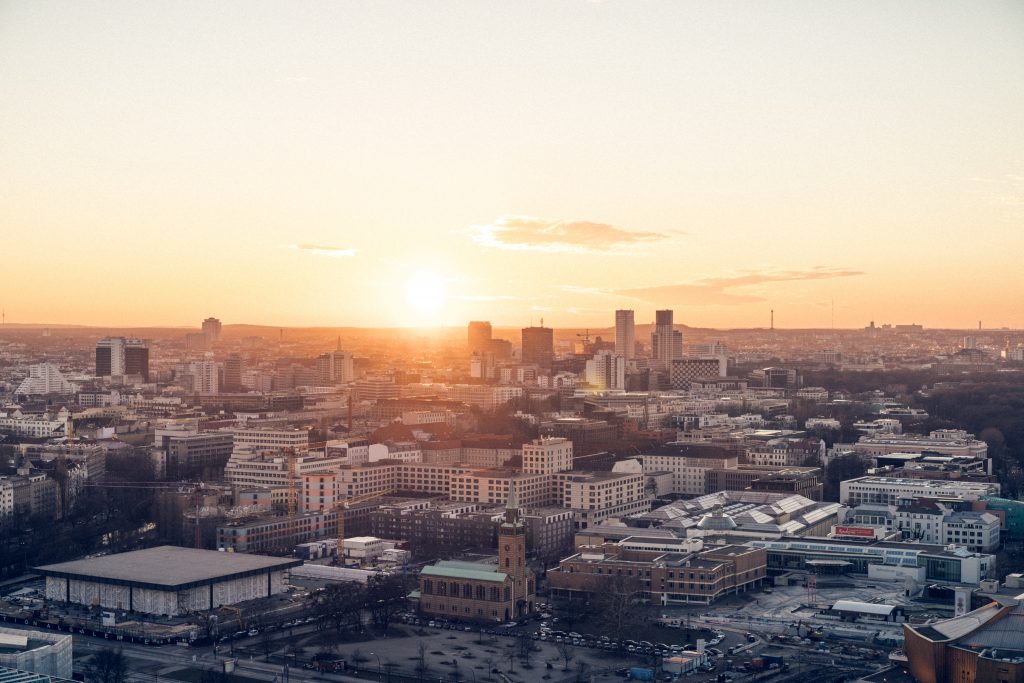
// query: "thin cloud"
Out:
[721,291]
[323,250]
[538,234]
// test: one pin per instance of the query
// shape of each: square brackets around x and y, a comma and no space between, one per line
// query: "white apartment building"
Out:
[37,426]
[606,371]
[271,469]
[886,491]
[44,378]
[933,523]
[205,380]
[492,487]
[597,496]
[270,439]
[822,423]
[547,455]
[942,441]
[689,473]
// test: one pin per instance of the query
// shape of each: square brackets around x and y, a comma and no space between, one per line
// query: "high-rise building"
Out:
[205,378]
[335,367]
[607,370]
[666,341]
[539,346]
[233,367]
[117,356]
[136,358]
[478,336]
[110,357]
[211,328]
[625,334]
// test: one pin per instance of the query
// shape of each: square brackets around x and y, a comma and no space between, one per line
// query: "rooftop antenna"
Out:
[773,320]
[542,322]
[339,343]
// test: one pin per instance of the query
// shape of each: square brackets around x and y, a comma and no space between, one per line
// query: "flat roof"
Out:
[167,567]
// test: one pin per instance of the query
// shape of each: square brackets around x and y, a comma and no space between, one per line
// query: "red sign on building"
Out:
[865,532]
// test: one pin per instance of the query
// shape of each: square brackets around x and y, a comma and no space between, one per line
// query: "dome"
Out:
[716,521]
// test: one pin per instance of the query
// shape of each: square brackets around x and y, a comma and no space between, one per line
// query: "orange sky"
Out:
[429,163]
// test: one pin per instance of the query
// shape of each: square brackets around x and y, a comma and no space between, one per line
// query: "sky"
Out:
[427,163]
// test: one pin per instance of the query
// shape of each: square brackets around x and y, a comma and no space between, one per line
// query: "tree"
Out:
[386,598]
[421,656]
[566,653]
[525,647]
[616,599]
[108,666]
[338,604]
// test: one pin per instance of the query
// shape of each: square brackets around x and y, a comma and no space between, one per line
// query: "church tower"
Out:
[512,557]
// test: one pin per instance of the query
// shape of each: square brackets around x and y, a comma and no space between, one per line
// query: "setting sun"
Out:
[425,293]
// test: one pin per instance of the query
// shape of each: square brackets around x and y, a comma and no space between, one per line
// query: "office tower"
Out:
[666,342]
[539,346]
[625,334]
[233,372]
[117,356]
[110,357]
[136,358]
[211,328]
[501,349]
[335,367]
[606,370]
[478,336]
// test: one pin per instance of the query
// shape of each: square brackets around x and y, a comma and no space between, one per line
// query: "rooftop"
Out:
[464,570]
[167,567]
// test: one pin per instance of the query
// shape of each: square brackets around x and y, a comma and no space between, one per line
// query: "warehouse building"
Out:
[166,580]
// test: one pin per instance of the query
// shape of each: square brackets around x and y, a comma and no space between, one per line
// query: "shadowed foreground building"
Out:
[660,571]
[471,591]
[982,646]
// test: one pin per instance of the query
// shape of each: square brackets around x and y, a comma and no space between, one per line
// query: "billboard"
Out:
[862,531]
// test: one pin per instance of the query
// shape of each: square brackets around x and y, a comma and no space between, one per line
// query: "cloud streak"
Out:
[538,234]
[722,291]
[324,250]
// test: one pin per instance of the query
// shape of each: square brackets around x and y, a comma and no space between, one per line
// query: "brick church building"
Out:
[469,591]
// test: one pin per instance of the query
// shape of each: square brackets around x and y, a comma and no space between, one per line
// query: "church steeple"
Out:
[512,508]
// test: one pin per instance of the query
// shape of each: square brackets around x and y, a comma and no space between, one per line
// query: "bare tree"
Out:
[525,647]
[421,664]
[566,653]
[581,671]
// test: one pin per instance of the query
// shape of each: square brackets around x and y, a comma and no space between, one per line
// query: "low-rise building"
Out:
[657,576]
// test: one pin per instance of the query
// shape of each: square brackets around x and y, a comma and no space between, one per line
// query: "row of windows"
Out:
[468,590]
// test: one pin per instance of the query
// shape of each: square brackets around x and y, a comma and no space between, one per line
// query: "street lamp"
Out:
[380,675]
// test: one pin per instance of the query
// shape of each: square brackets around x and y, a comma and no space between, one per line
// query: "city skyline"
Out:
[379,166]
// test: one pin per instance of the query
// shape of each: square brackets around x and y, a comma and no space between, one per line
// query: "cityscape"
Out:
[557,340]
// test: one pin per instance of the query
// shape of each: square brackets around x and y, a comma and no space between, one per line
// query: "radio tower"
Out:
[812,590]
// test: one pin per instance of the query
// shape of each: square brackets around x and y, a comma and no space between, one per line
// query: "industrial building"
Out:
[166,580]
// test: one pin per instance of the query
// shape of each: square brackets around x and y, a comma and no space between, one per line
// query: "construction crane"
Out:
[586,338]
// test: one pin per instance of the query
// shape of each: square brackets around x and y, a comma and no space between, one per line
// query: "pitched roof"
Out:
[463,570]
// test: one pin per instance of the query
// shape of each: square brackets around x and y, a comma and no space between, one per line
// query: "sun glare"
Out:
[425,292]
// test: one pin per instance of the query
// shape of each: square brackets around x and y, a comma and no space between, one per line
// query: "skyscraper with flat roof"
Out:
[666,341]
[625,334]
[539,346]
[478,336]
